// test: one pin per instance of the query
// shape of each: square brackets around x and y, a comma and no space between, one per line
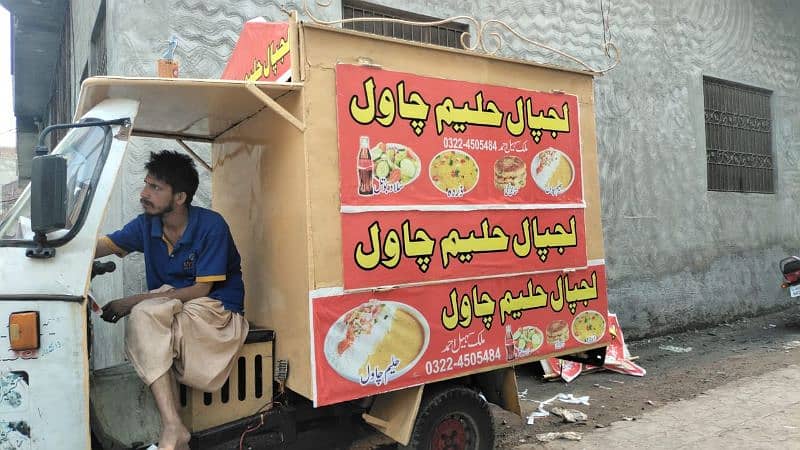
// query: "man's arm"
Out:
[183,294]
[102,248]
[123,241]
[117,309]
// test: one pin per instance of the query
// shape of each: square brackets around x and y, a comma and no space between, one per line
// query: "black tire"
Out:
[452,418]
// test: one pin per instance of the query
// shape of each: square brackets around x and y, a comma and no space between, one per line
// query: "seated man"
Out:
[190,325]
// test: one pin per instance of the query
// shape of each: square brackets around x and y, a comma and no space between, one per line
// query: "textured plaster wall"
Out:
[677,255]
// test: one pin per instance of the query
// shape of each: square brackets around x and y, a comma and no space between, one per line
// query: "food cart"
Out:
[413,221]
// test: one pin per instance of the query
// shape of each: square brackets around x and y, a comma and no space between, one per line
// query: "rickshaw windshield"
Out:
[85,150]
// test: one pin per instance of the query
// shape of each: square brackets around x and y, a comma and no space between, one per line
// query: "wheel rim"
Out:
[454,432]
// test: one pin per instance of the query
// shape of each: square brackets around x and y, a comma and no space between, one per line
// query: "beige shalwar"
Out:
[198,339]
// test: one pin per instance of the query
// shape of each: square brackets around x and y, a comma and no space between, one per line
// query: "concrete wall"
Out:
[8,165]
[26,141]
[678,256]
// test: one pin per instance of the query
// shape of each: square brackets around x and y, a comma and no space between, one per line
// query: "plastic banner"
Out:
[261,53]
[368,343]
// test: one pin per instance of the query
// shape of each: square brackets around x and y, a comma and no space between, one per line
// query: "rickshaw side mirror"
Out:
[48,194]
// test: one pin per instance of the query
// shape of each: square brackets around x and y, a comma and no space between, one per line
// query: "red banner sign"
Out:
[411,140]
[261,53]
[464,203]
[369,343]
[400,247]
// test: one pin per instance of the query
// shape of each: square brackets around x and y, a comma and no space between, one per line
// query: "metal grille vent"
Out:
[244,384]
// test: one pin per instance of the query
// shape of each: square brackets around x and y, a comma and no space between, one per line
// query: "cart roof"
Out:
[180,108]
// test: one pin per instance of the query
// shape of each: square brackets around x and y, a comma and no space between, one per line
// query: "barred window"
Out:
[447,35]
[60,104]
[99,52]
[738,137]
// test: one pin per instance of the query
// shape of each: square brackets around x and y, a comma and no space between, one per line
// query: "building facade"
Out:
[698,126]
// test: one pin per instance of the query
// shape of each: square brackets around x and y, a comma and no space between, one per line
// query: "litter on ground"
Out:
[675,348]
[569,415]
[568,435]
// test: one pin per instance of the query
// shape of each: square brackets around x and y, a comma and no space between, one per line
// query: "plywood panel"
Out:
[199,109]
[275,185]
[591,181]
[259,185]
[324,48]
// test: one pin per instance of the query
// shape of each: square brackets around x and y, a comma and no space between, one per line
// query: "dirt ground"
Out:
[719,355]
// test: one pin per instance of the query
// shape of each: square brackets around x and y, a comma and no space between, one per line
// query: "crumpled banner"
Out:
[617,357]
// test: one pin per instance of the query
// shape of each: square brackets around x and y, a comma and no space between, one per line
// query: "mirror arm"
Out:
[41,148]
[40,251]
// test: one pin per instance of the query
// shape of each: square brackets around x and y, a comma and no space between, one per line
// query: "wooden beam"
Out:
[161,135]
[275,106]
[194,155]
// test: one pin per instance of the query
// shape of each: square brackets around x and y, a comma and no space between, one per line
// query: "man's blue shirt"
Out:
[205,253]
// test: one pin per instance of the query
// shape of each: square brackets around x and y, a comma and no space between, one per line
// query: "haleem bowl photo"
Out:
[377,334]
[454,172]
[552,171]
[588,327]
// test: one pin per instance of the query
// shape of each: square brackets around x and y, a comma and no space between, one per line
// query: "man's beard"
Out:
[167,209]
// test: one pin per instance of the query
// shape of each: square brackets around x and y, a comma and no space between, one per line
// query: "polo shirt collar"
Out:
[188,233]
[157,231]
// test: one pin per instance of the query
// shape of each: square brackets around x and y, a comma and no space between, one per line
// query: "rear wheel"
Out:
[453,418]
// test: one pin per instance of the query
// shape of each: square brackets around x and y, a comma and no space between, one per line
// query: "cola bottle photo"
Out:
[365,168]
[509,341]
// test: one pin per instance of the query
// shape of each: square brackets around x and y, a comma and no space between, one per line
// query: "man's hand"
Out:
[117,309]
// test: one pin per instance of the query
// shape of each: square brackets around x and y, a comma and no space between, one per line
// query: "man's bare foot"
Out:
[174,437]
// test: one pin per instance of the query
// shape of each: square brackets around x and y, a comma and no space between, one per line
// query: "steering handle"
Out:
[100,268]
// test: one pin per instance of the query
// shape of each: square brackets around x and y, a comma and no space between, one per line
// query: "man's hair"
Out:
[175,169]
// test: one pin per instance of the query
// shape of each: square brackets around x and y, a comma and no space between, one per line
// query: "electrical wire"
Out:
[262,413]
[250,429]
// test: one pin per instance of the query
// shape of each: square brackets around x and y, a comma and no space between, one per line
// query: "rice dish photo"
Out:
[588,327]
[527,340]
[394,163]
[553,172]
[454,172]
[373,335]
[510,173]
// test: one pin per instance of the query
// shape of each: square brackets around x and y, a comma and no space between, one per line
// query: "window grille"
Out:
[447,35]
[738,137]
[60,104]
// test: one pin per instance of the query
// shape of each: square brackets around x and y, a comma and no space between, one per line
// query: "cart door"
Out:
[44,382]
